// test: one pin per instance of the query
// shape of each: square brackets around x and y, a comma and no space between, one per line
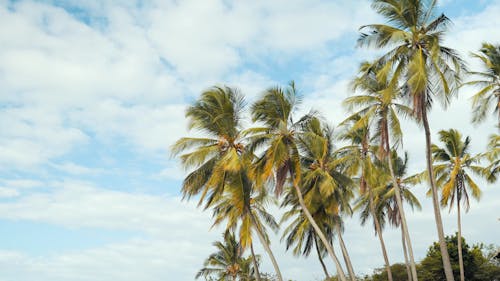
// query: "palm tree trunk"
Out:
[407,262]
[255,263]
[435,203]
[379,234]
[347,259]
[320,233]
[320,258]
[399,202]
[265,244]
[459,238]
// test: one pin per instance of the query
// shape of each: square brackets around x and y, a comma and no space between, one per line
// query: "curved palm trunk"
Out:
[407,262]
[266,247]
[320,258]
[460,260]
[255,263]
[347,259]
[435,203]
[379,234]
[320,234]
[399,202]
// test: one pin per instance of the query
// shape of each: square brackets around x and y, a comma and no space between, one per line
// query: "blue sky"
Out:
[93,93]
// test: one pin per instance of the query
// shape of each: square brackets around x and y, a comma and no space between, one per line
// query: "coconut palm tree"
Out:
[213,157]
[327,192]
[394,217]
[379,107]
[493,155]
[370,204]
[300,235]
[454,166]
[357,156]
[281,160]
[489,81]
[217,160]
[325,181]
[228,262]
[241,207]
[425,68]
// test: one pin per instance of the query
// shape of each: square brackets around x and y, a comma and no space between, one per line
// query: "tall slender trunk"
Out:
[320,258]
[265,244]
[407,262]
[399,202]
[459,238]
[435,203]
[255,263]
[379,234]
[347,259]
[320,234]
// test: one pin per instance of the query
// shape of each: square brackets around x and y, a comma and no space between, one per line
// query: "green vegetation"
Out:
[316,172]
[479,260]
[478,265]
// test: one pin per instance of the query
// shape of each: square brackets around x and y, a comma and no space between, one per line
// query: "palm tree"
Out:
[327,192]
[380,109]
[394,217]
[216,114]
[370,204]
[300,235]
[454,166]
[489,81]
[228,262]
[217,160]
[425,67]
[281,159]
[241,207]
[357,156]
[493,156]
[324,180]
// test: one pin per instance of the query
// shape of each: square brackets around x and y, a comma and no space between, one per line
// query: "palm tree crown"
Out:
[228,262]
[453,166]
[489,81]
[378,104]
[212,158]
[426,68]
[405,182]
[275,111]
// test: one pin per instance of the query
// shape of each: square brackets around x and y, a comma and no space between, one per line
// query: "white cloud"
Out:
[55,66]
[150,128]
[75,169]
[138,259]
[22,183]
[33,135]
[8,192]
[79,204]
[171,172]
[139,64]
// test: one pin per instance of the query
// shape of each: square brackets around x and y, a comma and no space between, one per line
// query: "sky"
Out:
[93,94]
